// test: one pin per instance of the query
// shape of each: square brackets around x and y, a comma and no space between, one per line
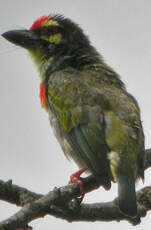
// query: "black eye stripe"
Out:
[50,30]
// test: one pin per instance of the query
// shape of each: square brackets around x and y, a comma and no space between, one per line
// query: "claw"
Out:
[75,178]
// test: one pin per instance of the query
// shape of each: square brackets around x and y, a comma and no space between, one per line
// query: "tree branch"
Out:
[59,203]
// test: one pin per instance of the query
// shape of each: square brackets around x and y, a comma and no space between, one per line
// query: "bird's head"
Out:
[53,37]
[50,35]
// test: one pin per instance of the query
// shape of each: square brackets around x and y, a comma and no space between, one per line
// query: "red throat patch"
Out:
[38,22]
[42,95]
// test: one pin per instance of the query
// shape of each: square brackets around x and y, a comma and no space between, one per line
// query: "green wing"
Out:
[89,141]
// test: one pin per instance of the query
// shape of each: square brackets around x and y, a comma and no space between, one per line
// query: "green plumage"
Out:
[109,112]
[96,121]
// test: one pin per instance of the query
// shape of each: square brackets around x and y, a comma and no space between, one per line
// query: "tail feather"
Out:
[127,196]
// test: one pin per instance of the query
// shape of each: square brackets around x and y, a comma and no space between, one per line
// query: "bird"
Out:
[94,118]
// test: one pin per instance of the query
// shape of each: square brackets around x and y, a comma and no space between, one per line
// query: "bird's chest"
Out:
[60,134]
[62,138]
[58,131]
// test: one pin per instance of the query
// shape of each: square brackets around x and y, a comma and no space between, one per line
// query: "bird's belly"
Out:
[60,134]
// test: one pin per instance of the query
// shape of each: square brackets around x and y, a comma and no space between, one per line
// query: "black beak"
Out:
[24,38]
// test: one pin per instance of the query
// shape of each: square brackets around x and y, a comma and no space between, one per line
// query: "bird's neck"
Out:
[60,61]
[87,59]
[41,62]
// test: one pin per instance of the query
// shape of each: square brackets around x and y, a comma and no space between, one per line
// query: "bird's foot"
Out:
[75,178]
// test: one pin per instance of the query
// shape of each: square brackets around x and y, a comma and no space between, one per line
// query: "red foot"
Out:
[75,178]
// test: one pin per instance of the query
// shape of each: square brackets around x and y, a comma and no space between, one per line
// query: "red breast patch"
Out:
[42,96]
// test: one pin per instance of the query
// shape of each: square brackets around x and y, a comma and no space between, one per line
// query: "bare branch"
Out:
[59,203]
[15,194]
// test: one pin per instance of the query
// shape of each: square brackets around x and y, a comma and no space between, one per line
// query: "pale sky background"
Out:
[30,154]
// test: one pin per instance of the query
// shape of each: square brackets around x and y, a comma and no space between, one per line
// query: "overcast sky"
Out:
[30,154]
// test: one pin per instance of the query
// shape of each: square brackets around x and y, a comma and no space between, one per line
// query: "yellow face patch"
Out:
[55,38]
[49,23]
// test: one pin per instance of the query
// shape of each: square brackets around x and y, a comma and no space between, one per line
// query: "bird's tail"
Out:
[127,196]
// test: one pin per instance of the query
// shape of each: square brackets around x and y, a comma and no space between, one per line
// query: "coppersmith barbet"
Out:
[96,121]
